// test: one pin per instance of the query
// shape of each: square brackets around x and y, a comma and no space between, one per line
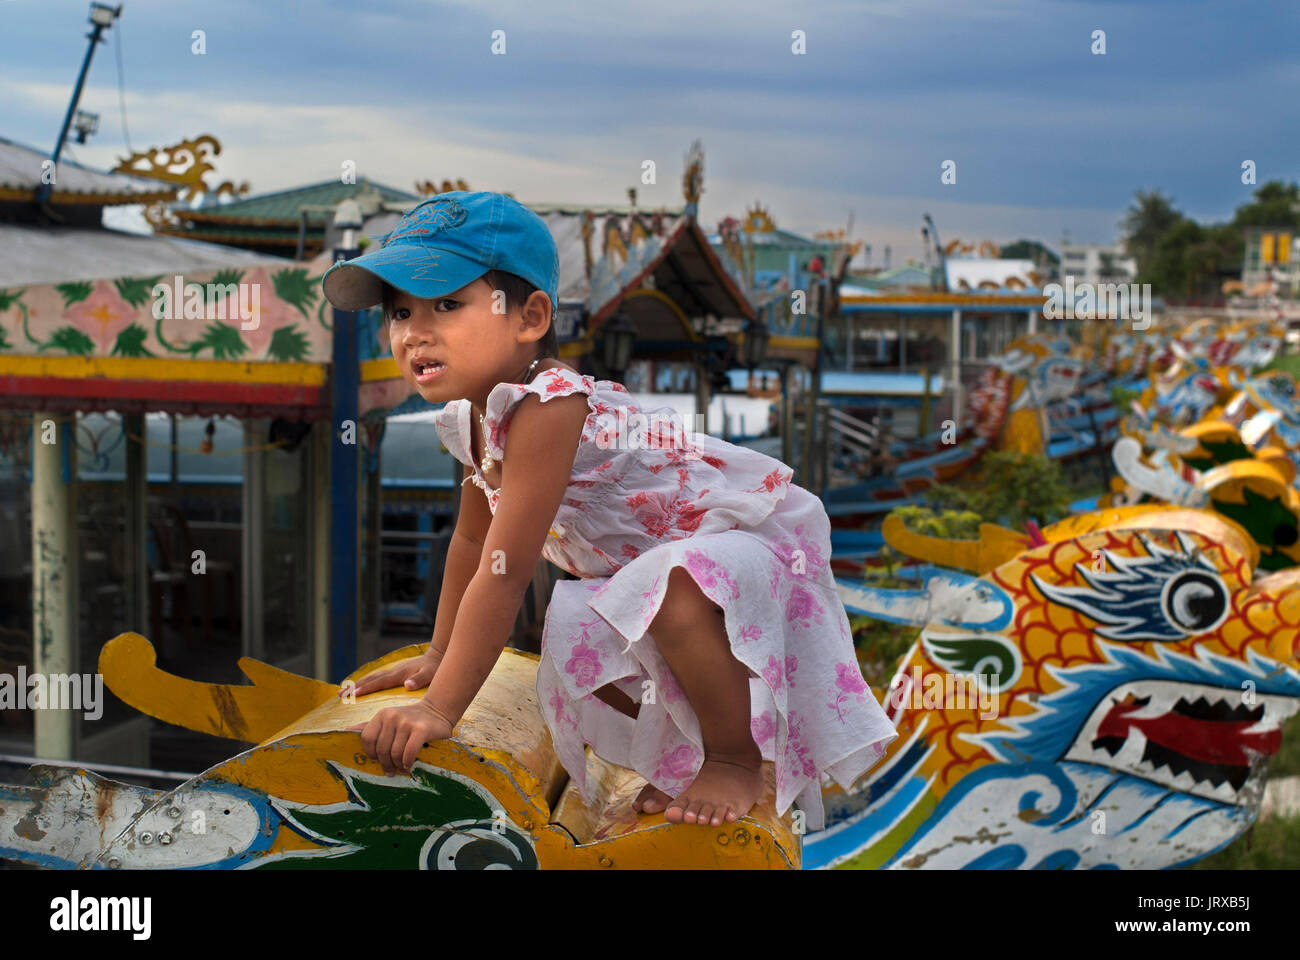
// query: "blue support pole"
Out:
[345,481]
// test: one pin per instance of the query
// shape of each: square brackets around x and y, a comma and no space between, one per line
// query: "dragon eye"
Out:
[1195,602]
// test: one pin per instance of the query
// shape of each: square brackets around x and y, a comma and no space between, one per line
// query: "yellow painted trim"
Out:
[788,343]
[239,238]
[956,299]
[102,199]
[164,368]
[793,343]
[672,305]
[576,348]
[385,368]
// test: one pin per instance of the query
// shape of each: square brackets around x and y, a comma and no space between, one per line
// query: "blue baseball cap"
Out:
[445,243]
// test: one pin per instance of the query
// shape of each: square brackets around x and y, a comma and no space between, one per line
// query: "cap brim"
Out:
[418,270]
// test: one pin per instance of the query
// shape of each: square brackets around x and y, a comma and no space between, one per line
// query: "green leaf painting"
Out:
[323,312]
[292,286]
[12,298]
[137,291]
[288,344]
[71,340]
[74,292]
[9,297]
[223,340]
[130,342]
[225,278]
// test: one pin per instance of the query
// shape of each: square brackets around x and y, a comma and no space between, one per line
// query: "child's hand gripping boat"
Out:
[494,796]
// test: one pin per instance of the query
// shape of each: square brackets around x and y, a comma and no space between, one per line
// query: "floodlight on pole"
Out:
[101,18]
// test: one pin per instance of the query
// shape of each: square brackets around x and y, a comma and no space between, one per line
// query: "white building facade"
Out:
[1096,263]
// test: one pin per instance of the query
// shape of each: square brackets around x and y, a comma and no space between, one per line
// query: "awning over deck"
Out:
[209,330]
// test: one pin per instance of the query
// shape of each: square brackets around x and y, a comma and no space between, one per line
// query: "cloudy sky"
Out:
[1046,136]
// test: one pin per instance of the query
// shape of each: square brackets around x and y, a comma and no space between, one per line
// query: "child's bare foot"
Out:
[650,800]
[723,790]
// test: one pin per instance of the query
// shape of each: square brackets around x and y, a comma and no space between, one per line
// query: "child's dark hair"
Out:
[517,290]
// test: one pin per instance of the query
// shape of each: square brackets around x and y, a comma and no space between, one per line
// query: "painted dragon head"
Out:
[1103,694]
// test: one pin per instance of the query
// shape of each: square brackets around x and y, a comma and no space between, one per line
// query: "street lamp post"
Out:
[757,335]
[101,18]
[616,347]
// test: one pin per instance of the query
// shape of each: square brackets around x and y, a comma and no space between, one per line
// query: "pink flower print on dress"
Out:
[679,764]
[771,481]
[773,673]
[654,510]
[848,677]
[557,380]
[675,457]
[848,680]
[801,561]
[607,437]
[812,552]
[708,574]
[763,727]
[778,571]
[648,599]
[689,518]
[802,608]
[751,632]
[614,565]
[558,703]
[670,689]
[660,436]
[496,429]
[797,754]
[584,665]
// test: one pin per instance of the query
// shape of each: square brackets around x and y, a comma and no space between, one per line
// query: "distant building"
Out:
[1096,263]
[965,274]
[1268,266]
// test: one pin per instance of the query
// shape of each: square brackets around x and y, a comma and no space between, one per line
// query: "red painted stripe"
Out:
[187,391]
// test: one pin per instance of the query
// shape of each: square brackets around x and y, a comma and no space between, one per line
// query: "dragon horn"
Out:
[1163,484]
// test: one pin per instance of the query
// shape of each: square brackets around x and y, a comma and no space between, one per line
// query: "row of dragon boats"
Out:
[1102,692]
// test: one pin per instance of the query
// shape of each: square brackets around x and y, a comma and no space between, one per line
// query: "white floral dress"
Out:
[757,545]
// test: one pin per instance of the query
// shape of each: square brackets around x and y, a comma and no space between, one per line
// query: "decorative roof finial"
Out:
[693,178]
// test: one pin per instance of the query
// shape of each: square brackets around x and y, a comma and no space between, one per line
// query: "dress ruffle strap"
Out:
[505,397]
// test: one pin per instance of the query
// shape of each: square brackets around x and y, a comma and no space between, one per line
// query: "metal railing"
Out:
[840,436]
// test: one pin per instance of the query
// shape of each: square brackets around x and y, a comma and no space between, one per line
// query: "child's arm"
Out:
[463,553]
[535,472]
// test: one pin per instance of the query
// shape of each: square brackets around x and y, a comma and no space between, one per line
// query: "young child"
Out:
[704,635]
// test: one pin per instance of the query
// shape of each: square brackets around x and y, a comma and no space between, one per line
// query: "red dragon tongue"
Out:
[1208,741]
